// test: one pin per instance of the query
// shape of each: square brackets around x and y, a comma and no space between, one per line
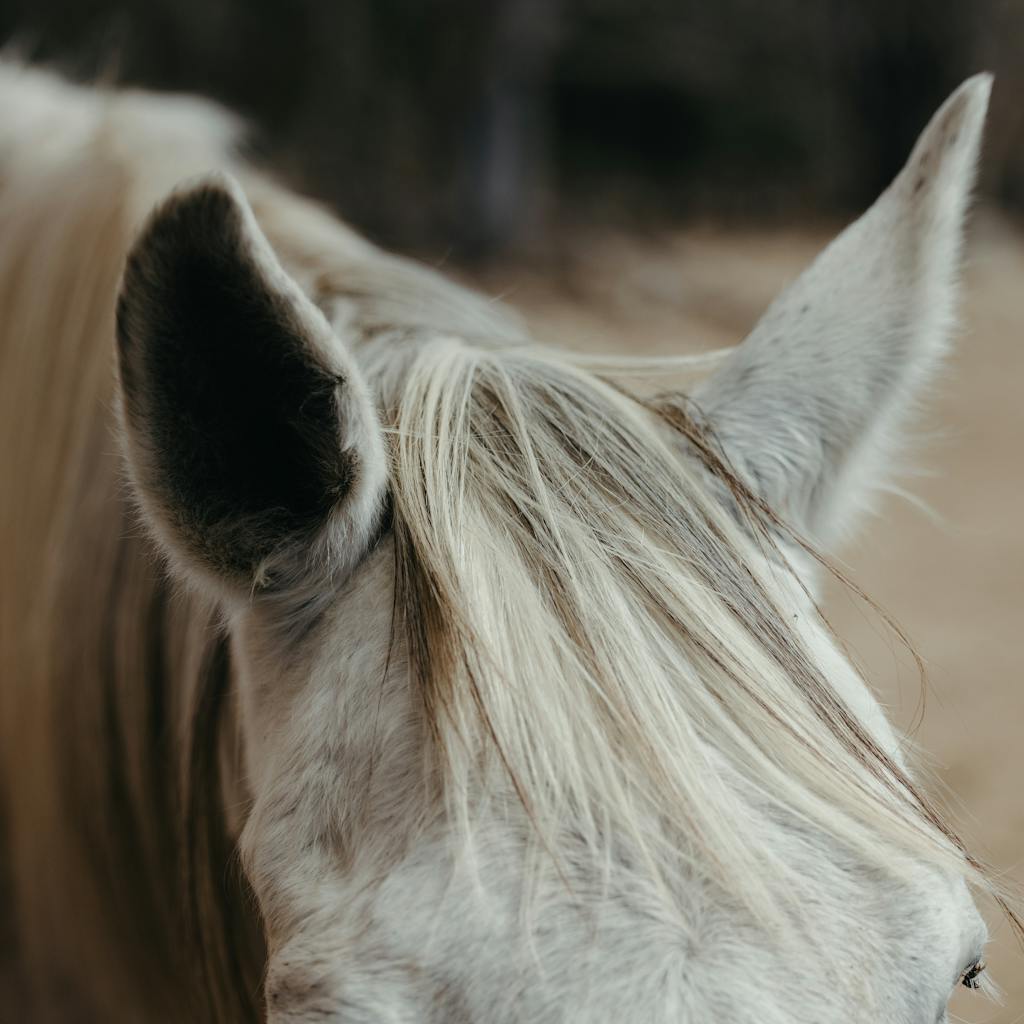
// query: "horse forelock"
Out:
[587,617]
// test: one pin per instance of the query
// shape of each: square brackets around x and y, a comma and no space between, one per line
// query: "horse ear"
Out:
[810,407]
[251,440]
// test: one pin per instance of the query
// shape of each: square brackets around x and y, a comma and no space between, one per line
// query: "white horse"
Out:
[480,685]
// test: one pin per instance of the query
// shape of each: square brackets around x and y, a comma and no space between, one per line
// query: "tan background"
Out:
[951,575]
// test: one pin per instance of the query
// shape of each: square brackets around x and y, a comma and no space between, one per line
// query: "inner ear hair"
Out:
[232,406]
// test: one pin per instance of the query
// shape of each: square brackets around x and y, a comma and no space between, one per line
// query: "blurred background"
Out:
[479,125]
[645,175]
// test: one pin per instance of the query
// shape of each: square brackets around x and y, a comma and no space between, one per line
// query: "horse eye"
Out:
[971,977]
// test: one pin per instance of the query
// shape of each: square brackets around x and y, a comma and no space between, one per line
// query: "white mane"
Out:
[591,619]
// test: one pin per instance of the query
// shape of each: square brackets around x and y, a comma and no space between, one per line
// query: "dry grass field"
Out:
[951,573]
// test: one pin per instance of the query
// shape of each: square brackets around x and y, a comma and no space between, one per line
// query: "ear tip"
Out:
[218,184]
[978,85]
[943,164]
[966,108]
[196,203]
[969,102]
[202,211]
[211,197]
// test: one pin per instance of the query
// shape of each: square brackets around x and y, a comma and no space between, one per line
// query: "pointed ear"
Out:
[251,440]
[809,408]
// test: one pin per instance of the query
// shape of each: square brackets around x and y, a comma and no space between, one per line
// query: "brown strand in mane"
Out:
[227,946]
[763,520]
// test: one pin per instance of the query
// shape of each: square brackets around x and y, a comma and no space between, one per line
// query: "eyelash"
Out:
[969,979]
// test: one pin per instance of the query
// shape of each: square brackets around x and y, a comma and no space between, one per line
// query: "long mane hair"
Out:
[591,598]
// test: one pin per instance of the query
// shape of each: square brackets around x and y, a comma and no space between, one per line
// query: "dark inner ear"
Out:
[239,419]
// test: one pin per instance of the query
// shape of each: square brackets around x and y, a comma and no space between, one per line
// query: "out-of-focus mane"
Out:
[113,688]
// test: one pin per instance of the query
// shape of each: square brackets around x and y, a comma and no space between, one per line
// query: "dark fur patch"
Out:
[224,390]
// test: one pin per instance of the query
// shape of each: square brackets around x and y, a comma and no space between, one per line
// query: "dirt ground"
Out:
[952,574]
